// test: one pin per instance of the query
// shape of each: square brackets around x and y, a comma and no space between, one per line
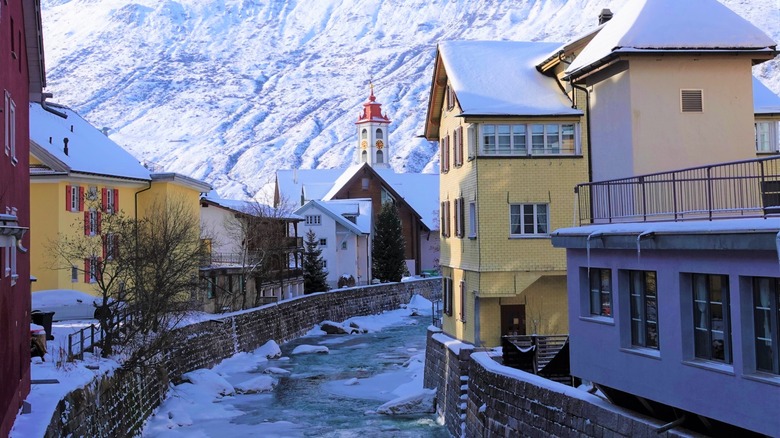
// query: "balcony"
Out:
[738,189]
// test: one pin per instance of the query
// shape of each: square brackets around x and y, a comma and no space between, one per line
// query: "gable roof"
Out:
[500,78]
[765,101]
[419,190]
[247,207]
[336,209]
[89,150]
[672,26]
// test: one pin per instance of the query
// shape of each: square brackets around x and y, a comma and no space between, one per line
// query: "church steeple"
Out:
[372,145]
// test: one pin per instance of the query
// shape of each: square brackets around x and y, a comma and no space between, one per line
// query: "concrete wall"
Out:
[119,404]
[477,396]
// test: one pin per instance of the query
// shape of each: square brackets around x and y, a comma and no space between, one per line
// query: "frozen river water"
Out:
[331,394]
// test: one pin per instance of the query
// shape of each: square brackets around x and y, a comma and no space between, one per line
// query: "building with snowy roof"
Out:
[77,176]
[414,194]
[343,230]
[253,254]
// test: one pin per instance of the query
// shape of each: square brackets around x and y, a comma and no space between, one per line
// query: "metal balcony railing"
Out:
[749,188]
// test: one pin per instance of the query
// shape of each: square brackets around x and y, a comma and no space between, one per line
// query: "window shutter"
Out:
[691,101]
[81,198]
[460,146]
[116,201]
[86,223]
[104,198]
[68,189]
[471,131]
[86,270]
[98,224]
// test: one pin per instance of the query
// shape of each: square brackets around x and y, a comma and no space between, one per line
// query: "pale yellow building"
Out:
[512,149]
[77,177]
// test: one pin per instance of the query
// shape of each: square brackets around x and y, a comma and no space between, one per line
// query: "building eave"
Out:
[33,31]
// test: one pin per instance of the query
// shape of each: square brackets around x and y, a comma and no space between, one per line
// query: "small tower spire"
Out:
[372,145]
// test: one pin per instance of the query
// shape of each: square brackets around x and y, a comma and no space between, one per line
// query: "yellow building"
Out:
[77,176]
[512,149]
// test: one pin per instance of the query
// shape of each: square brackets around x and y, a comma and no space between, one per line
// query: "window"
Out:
[11,129]
[379,134]
[7,123]
[380,157]
[459,218]
[447,295]
[444,210]
[767,137]
[462,301]
[691,101]
[110,246]
[643,302]
[74,198]
[364,182]
[444,157]
[74,274]
[711,330]
[600,292]
[386,196]
[323,242]
[528,220]
[766,320]
[313,219]
[363,156]
[110,198]
[450,97]
[472,219]
[364,134]
[530,139]
[344,245]
[324,264]
[91,222]
[91,269]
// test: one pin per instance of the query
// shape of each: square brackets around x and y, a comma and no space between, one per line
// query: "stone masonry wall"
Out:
[118,404]
[504,402]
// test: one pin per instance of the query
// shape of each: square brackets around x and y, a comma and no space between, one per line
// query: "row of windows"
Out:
[525,220]
[379,134]
[379,157]
[457,150]
[708,313]
[77,196]
[530,139]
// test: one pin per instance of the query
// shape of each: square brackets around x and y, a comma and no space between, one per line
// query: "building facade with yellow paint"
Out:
[78,176]
[512,148]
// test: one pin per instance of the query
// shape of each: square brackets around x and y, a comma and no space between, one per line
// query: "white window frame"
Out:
[509,135]
[517,217]
[74,274]
[110,201]
[462,293]
[93,222]
[93,269]
[313,219]
[769,306]
[637,290]
[601,298]
[12,131]
[472,219]
[708,326]
[7,122]
[767,136]
[323,242]
[74,198]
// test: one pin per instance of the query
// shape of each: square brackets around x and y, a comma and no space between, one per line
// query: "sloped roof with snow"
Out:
[339,209]
[248,207]
[672,25]
[500,78]
[89,150]
[765,101]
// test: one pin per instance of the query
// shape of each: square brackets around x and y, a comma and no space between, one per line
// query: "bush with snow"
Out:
[309,349]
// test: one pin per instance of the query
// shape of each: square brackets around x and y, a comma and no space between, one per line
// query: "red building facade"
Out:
[21,79]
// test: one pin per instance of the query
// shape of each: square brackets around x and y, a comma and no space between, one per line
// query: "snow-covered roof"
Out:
[500,78]
[746,225]
[672,25]
[419,190]
[765,101]
[89,150]
[248,207]
[337,209]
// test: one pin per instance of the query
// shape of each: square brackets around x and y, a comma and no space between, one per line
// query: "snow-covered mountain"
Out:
[231,90]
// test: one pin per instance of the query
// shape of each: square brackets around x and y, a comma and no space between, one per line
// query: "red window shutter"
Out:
[81,198]
[104,198]
[86,270]
[116,201]
[86,223]
[68,189]
[99,217]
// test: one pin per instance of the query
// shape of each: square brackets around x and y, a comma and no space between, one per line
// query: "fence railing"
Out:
[749,188]
[86,339]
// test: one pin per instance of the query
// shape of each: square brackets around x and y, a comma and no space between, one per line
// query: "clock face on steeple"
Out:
[363,144]
[380,144]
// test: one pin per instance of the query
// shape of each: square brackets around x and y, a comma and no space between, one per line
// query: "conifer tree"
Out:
[314,275]
[388,246]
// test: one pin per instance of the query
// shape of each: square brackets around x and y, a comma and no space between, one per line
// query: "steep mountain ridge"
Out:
[231,90]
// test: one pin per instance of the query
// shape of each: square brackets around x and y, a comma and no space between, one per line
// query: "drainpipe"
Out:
[587,125]
[136,214]
[46,107]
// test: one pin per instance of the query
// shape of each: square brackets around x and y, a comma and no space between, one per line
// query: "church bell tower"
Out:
[372,129]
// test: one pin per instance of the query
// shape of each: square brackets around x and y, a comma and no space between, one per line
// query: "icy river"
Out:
[316,386]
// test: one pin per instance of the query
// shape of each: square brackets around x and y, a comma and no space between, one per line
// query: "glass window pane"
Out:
[528,219]
[504,139]
[541,219]
[518,139]
[515,214]
[489,139]
[553,140]
[568,145]
[537,139]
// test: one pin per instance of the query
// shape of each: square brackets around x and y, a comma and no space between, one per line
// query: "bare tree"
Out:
[142,268]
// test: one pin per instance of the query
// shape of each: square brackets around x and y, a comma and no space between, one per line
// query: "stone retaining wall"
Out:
[505,402]
[118,404]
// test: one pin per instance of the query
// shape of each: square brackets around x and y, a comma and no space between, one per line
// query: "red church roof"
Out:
[372,111]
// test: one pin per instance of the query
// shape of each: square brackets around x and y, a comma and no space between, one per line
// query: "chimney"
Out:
[605,15]
[65,140]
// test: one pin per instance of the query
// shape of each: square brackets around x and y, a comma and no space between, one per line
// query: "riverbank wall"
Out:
[478,397]
[118,404]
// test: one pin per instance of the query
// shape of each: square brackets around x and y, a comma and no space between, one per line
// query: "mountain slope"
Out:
[231,90]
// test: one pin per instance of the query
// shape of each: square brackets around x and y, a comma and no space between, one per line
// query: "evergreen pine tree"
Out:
[388,246]
[314,275]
